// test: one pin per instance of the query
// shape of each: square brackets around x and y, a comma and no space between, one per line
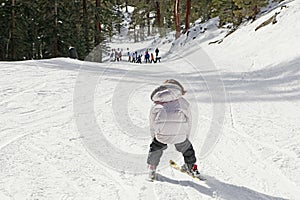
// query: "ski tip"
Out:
[201,178]
[150,179]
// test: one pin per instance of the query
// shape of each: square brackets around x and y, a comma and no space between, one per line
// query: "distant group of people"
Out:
[136,57]
[116,55]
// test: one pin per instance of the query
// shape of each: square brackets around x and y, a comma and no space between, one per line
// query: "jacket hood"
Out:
[166,93]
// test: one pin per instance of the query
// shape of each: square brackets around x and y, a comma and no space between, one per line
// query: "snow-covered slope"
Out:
[79,130]
[247,49]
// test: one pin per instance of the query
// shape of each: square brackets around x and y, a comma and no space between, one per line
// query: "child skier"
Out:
[170,123]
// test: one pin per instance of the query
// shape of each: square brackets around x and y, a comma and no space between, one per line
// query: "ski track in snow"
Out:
[42,156]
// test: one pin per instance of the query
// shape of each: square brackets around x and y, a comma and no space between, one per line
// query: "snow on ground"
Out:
[248,49]
[79,130]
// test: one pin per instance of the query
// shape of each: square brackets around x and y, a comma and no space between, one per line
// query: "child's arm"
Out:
[189,121]
[188,114]
[151,121]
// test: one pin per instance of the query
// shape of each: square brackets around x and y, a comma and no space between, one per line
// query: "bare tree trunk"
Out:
[188,14]
[134,34]
[55,43]
[255,12]
[13,29]
[142,32]
[158,14]
[85,26]
[148,24]
[126,6]
[177,18]
[98,38]
[148,19]
[98,23]
[2,53]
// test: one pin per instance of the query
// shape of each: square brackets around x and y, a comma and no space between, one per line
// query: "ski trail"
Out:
[258,161]
[264,144]
[4,197]
[125,183]
[41,153]
[78,173]
[270,167]
[10,138]
[32,88]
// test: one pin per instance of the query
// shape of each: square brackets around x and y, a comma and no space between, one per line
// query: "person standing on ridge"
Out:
[156,52]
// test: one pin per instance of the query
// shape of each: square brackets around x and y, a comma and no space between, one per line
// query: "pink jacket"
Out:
[170,116]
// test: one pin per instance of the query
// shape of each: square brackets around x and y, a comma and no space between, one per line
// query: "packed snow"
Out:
[74,129]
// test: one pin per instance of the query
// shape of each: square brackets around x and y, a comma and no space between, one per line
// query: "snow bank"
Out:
[247,49]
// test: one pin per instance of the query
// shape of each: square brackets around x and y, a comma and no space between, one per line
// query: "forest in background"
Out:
[37,29]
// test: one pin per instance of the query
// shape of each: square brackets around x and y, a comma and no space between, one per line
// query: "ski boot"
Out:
[152,172]
[191,169]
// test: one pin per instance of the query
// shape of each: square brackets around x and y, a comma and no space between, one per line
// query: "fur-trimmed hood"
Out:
[166,93]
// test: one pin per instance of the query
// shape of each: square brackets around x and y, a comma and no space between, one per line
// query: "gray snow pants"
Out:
[156,151]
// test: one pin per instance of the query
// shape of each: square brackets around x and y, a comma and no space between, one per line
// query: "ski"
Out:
[174,165]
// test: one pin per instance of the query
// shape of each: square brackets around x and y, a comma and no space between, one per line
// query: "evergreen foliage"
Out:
[247,9]
[224,10]
[35,29]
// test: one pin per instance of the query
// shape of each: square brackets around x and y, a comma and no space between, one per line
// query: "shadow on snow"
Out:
[277,83]
[224,190]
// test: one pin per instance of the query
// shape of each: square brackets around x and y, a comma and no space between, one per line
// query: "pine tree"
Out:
[248,9]
[44,29]
[224,9]
[201,9]
[166,16]
[139,20]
